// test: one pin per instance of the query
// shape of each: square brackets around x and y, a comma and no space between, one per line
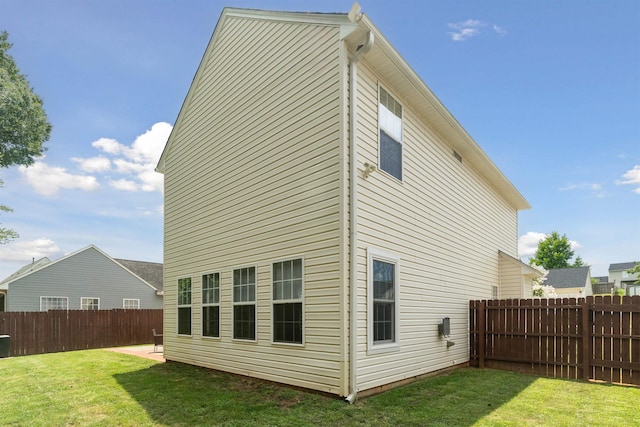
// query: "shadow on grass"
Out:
[179,394]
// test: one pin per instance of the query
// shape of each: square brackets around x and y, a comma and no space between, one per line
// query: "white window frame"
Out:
[179,306]
[275,301]
[91,299]
[253,302]
[66,303]
[129,300]
[374,254]
[394,131]
[210,304]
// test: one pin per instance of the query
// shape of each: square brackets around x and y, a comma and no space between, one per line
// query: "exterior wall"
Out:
[511,279]
[444,222]
[253,176]
[622,278]
[88,273]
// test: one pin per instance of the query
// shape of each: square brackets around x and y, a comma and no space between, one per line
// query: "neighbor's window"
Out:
[244,303]
[184,306]
[54,303]
[287,301]
[390,122]
[383,278]
[211,305]
[87,303]
[130,303]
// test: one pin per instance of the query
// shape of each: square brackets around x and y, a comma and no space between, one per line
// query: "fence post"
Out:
[481,328]
[586,339]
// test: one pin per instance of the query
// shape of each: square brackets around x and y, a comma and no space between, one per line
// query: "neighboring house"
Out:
[307,248]
[572,282]
[602,285]
[621,278]
[516,278]
[87,279]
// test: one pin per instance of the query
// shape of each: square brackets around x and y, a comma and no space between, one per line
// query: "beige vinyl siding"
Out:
[445,222]
[511,285]
[253,176]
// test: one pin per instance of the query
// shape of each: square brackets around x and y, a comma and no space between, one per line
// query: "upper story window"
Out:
[390,123]
[211,305]
[184,306]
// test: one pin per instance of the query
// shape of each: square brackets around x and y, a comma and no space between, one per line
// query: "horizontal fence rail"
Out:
[593,338]
[66,330]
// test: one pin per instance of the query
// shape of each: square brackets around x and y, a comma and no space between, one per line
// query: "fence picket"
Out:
[594,338]
[61,330]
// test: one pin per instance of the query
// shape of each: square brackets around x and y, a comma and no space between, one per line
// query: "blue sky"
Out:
[549,89]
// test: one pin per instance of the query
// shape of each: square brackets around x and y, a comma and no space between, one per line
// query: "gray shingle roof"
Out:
[575,277]
[622,266]
[151,272]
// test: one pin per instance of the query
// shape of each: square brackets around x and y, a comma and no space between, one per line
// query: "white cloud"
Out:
[124,185]
[26,251]
[631,177]
[138,161]
[48,180]
[93,164]
[528,243]
[108,145]
[471,28]
[596,189]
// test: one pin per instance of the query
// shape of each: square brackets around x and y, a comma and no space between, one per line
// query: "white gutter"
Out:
[353,221]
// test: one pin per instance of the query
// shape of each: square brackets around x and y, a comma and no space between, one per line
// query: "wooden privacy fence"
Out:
[593,338]
[65,330]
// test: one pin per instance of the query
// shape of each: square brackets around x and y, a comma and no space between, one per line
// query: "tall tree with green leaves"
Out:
[555,252]
[24,127]
[635,270]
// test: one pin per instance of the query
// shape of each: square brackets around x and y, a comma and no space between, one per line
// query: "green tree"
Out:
[635,270]
[23,123]
[555,252]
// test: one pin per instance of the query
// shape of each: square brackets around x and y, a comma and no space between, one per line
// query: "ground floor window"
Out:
[211,305]
[54,303]
[244,303]
[130,303]
[184,306]
[89,303]
[287,282]
[383,315]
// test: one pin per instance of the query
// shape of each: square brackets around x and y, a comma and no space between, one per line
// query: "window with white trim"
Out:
[211,305]
[287,301]
[54,303]
[390,124]
[244,304]
[89,303]
[383,294]
[131,303]
[184,306]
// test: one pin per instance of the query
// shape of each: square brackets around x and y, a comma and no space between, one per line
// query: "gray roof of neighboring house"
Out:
[27,268]
[151,272]
[622,266]
[602,279]
[575,277]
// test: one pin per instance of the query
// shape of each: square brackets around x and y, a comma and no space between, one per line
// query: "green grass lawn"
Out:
[97,387]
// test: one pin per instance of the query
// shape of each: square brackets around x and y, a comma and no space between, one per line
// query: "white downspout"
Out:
[353,220]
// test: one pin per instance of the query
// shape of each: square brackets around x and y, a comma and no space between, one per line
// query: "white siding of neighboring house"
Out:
[445,222]
[87,273]
[253,175]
